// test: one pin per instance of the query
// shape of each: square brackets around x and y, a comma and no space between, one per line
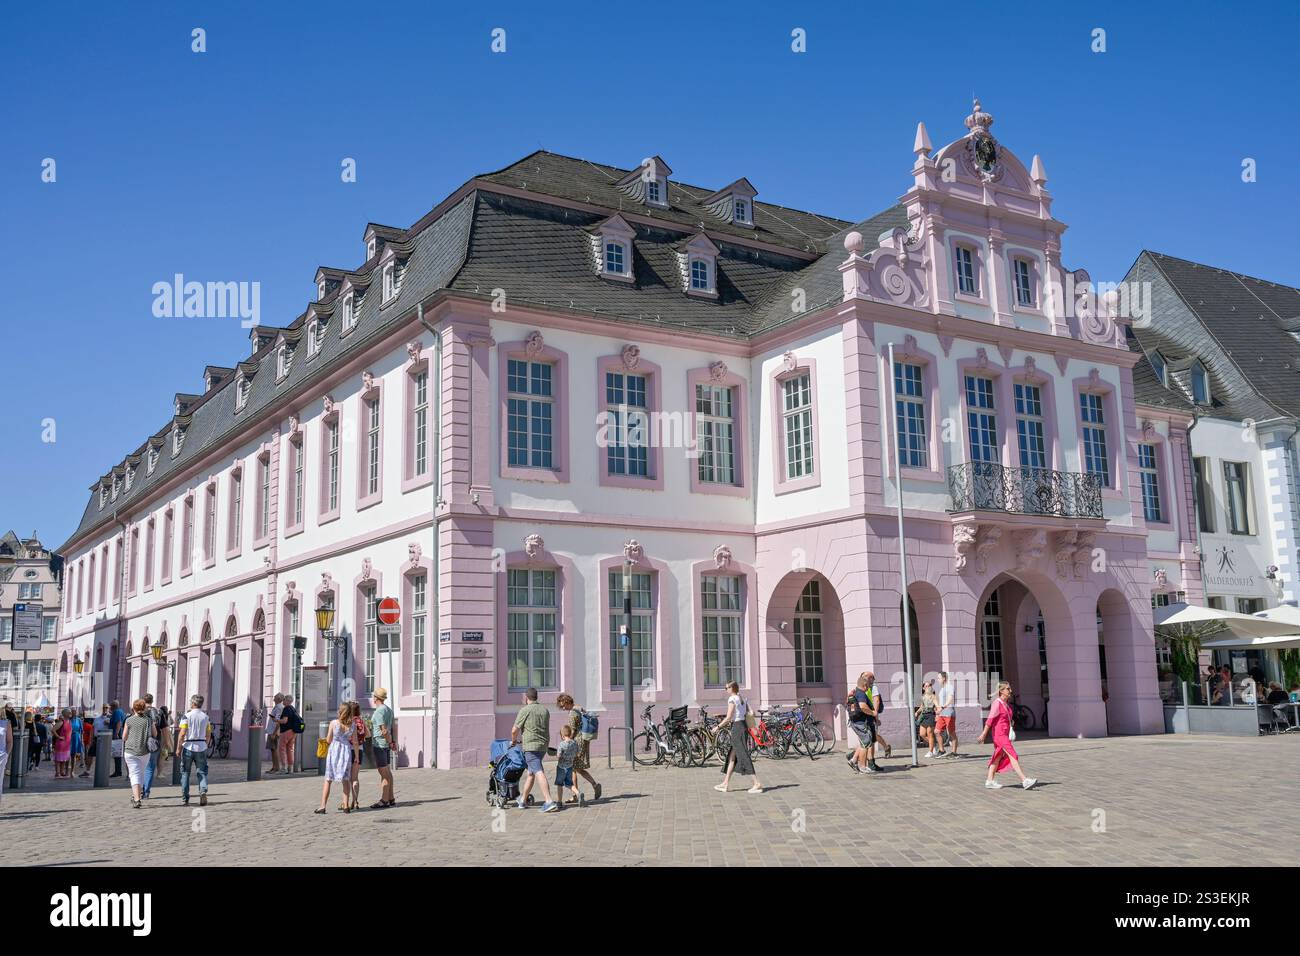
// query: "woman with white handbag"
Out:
[1004,754]
[736,723]
[139,740]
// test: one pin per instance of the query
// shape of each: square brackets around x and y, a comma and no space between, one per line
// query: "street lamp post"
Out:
[627,650]
[299,645]
[157,651]
[325,624]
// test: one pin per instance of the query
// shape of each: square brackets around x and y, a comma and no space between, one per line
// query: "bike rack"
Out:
[609,749]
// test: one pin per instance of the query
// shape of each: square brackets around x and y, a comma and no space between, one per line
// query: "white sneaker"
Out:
[721,788]
[755,789]
[931,753]
[1029,782]
[992,785]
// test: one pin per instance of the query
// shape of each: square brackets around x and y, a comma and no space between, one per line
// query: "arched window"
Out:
[232,628]
[259,622]
[809,663]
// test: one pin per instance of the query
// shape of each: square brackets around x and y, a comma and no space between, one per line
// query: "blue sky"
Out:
[225,165]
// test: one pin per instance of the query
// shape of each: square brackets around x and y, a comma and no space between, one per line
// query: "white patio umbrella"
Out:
[1252,643]
[1239,625]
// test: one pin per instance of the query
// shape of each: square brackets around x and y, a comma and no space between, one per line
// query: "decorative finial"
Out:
[853,242]
[1036,172]
[979,118]
[922,145]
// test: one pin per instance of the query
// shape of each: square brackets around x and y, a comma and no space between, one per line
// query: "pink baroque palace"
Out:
[566,364]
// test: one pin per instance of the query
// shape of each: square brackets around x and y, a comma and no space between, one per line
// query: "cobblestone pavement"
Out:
[1151,801]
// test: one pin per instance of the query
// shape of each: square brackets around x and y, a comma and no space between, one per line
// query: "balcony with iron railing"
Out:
[989,486]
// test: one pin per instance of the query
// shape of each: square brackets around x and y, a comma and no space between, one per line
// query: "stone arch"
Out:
[791,626]
[1127,667]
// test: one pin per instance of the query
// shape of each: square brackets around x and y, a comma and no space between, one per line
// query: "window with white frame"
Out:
[349,312]
[392,280]
[809,662]
[991,637]
[210,523]
[530,413]
[370,625]
[641,634]
[1160,368]
[372,412]
[149,529]
[420,423]
[370,248]
[1030,440]
[169,535]
[297,488]
[700,279]
[1237,496]
[715,433]
[152,462]
[1149,470]
[263,496]
[982,420]
[966,281]
[178,440]
[616,258]
[284,361]
[741,210]
[1200,385]
[653,192]
[48,626]
[313,337]
[331,464]
[117,488]
[627,415]
[130,477]
[187,534]
[1093,417]
[1022,275]
[242,388]
[531,643]
[103,496]
[722,622]
[419,629]
[235,530]
[909,414]
[797,424]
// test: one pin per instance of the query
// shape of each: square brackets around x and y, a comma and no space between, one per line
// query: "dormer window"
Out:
[283,361]
[130,478]
[152,462]
[734,203]
[1161,368]
[648,183]
[178,440]
[616,258]
[313,337]
[117,487]
[700,281]
[1200,385]
[698,259]
[103,496]
[349,313]
[242,387]
[741,216]
[392,280]
[320,290]
[370,249]
[612,249]
[653,192]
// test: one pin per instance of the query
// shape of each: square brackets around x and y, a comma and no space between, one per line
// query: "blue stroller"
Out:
[506,766]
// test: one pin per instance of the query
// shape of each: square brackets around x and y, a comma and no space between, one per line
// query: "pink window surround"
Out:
[169,534]
[1028,374]
[531,350]
[719,374]
[90,586]
[782,484]
[566,579]
[133,568]
[664,581]
[410,480]
[371,393]
[68,605]
[187,534]
[262,529]
[412,696]
[654,408]
[149,531]
[1005,407]
[1164,477]
[236,502]
[909,354]
[357,667]
[103,578]
[293,523]
[1035,280]
[330,421]
[1115,447]
[749,612]
[978,252]
[210,525]
[117,569]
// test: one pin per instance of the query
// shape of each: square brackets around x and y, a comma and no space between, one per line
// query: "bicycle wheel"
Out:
[722,746]
[807,741]
[824,735]
[698,746]
[1024,717]
[706,747]
[679,753]
[645,749]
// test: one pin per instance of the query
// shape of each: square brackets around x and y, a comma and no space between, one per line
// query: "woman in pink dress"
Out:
[63,744]
[1004,755]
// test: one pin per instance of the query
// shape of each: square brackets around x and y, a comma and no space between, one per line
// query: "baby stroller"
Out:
[506,766]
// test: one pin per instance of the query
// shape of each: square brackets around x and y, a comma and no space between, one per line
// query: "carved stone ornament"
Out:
[1161,579]
[534,344]
[1148,428]
[989,537]
[289,588]
[367,380]
[722,557]
[789,362]
[480,340]
[293,424]
[1083,551]
[1094,378]
[632,551]
[717,371]
[329,404]
[1063,543]
[1006,351]
[631,356]
[533,545]
[1032,375]
[1030,545]
[963,543]
[414,348]
[326,581]
[366,568]
[910,348]
[414,552]
[982,357]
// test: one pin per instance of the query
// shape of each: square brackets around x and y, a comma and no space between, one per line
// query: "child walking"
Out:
[565,754]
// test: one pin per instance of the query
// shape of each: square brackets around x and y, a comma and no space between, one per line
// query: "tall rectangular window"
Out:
[133,568]
[1237,494]
[1095,460]
[909,414]
[981,420]
[715,433]
[420,425]
[797,425]
[627,415]
[148,553]
[809,661]
[372,446]
[187,534]
[263,496]
[991,636]
[236,510]
[641,635]
[1204,494]
[966,271]
[531,608]
[419,629]
[1024,284]
[298,490]
[1150,473]
[332,465]
[370,603]
[1029,426]
[210,523]
[169,534]
[722,620]
[530,411]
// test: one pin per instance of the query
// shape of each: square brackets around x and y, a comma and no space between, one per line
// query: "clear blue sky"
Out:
[225,165]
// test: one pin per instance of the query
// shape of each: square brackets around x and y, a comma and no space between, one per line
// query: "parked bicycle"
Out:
[659,744]
[221,736]
[1022,716]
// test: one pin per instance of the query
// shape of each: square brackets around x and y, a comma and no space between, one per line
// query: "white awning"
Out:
[1252,643]
[1238,625]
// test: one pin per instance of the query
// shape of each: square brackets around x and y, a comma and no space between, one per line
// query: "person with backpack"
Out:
[151,768]
[863,705]
[291,725]
[586,727]
[736,722]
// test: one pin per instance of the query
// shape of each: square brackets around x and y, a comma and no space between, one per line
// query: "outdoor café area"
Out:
[1235,697]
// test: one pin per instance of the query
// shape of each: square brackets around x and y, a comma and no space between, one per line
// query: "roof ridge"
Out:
[1232,272]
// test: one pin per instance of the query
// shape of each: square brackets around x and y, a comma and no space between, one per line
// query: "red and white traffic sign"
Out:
[390,612]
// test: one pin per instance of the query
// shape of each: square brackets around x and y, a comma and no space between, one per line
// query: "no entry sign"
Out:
[390,612]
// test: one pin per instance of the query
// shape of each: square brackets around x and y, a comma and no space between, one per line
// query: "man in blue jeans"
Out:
[532,731]
[192,745]
[151,768]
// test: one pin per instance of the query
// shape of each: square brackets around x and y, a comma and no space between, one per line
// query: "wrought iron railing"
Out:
[986,486]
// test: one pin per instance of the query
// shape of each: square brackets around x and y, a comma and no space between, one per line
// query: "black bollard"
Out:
[103,758]
[255,741]
[18,761]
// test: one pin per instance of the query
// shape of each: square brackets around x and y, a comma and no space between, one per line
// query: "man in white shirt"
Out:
[946,723]
[272,729]
[195,733]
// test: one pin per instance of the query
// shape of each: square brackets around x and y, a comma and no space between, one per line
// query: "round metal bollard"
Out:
[18,762]
[256,741]
[103,758]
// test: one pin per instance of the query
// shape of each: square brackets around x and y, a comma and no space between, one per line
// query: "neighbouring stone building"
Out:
[26,577]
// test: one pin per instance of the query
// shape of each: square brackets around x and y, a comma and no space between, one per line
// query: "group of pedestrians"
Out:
[347,737]
[283,727]
[532,732]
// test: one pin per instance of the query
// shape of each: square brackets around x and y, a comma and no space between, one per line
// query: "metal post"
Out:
[103,754]
[25,741]
[902,558]
[627,650]
[297,750]
[18,759]
[255,740]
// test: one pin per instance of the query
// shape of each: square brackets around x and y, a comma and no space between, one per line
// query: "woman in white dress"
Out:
[342,751]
